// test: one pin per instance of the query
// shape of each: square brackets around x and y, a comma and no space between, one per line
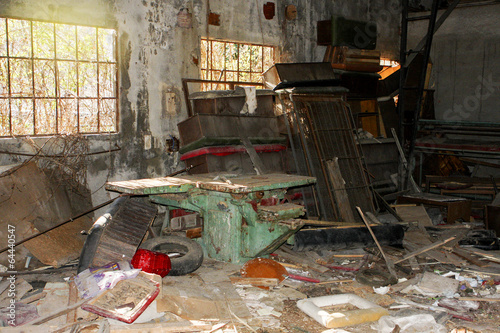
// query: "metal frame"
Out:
[223,72]
[56,98]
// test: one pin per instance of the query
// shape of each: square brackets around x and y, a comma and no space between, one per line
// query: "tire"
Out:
[191,252]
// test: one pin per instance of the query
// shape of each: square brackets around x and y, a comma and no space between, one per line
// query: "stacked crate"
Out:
[211,138]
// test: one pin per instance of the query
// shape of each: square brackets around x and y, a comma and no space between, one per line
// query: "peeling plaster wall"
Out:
[155,53]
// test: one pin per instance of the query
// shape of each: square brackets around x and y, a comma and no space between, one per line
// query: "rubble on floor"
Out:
[438,290]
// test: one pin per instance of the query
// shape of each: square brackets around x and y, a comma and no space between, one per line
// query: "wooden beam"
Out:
[424,249]
[339,190]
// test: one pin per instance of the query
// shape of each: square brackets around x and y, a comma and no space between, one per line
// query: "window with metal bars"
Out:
[57,78]
[233,61]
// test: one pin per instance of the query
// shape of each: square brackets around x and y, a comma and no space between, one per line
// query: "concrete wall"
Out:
[155,53]
[466,71]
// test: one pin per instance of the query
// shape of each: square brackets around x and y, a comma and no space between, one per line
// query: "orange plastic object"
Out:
[264,268]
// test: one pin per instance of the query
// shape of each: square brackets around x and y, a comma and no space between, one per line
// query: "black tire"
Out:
[191,252]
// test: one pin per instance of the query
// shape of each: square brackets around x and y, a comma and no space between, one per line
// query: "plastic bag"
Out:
[415,323]
[95,280]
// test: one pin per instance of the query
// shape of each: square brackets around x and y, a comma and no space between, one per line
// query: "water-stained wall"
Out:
[158,44]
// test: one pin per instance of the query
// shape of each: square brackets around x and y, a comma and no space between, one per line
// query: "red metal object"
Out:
[152,262]
[344,268]
[269,201]
[228,150]
[269,10]
[303,278]
[179,212]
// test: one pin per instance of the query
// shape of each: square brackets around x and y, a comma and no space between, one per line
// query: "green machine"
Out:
[243,216]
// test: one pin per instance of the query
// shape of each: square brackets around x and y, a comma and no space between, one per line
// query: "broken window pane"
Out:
[20,78]
[4,78]
[43,40]
[22,116]
[87,43]
[45,116]
[107,80]
[256,58]
[3,37]
[67,116]
[54,85]
[4,117]
[65,41]
[239,62]
[19,38]
[107,38]
[45,78]
[87,80]
[67,79]
[89,119]
[107,113]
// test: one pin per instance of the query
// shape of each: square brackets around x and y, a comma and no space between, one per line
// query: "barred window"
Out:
[57,78]
[232,61]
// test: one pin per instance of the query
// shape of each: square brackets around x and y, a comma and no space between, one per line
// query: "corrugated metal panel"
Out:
[125,231]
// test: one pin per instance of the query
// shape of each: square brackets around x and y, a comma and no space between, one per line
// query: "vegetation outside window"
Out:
[233,61]
[56,79]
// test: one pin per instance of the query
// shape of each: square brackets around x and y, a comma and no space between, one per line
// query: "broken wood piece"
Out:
[58,313]
[297,258]
[73,298]
[467,256]
[390,264]
[160,328]
[488,256]
[479,299]
[262,282]
[334,281]
[339,190]
[291,265]
[424,249]
[33,298]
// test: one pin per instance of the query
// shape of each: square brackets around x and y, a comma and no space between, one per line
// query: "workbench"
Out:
[244,216]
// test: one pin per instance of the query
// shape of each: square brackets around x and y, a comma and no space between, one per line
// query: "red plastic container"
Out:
[152,262]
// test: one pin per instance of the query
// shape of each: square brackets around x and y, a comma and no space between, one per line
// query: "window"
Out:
[232,61]
[56,78]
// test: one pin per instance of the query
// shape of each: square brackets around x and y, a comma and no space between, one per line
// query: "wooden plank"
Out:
[467,256]
[339,190]
[479,299]
[73,298]
[424,249]
[415,213]
[263,282]
[58,313]
[389,262]
[297,258]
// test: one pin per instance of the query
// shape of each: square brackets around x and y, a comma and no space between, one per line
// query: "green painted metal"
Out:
[236,228]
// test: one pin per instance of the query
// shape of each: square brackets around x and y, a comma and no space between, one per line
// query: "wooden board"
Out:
[339,190]
[414,213]
[213,182]
[61,245]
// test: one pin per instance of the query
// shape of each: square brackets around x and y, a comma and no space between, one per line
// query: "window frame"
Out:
[56,98]
[209,69]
